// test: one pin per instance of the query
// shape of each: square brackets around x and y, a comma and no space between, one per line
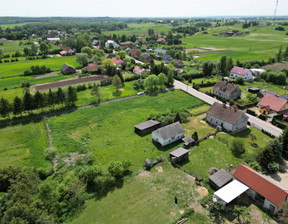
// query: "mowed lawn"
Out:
[145,198]
[23,144]
[108,130]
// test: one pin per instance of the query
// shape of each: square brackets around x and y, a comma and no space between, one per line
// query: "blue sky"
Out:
[143,8]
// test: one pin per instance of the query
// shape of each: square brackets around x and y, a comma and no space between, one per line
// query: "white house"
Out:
[138,71]
[54,39]
[168,134]
[242,72]
[230,119]
[108,42]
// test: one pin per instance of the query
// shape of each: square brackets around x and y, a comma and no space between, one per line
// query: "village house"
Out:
[118,61]
[230,119]
[167,58]
[67,52]
[3,40]
[161,40]
[136,52]
[146,58]
[128,51]
[95,42]
[178,63]
[160,51]
[227,90]
[54,39]
[126,44]
[111,43]
[67,69]
[138,70]
[91,67]
[272,104]
[168,134]
[242,72]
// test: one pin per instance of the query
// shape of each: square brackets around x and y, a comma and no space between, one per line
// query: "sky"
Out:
[143,8]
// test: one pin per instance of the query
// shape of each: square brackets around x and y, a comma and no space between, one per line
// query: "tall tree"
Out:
[162,80]
[95,91]
[285,55]
[5,108]
[279,55]
[17,106]
[223,65]
[170,78]
[82,58]
[71,96]
[28,102]
[116,82]
[229,64]
[60,96]
[51,98]
[44,48]
[38,100]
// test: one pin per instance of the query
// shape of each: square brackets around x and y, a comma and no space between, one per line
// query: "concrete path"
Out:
[254,121]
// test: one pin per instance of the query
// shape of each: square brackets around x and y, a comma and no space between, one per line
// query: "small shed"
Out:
[147,127]
[67,69]
[179,155]
[188,141]
[220,178]
[253,90]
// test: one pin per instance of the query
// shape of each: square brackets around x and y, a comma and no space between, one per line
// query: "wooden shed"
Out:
[179,155]
[220,178]
[188,141]
[147,127]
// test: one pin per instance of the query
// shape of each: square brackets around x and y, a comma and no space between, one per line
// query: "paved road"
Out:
[254,121]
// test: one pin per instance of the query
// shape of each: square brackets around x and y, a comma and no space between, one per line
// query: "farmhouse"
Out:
[272,104]
[261,189]
[67,52]
[178,63]
[242,72]
[227,90]
[168,134]
[126,44]
[111,43]
[146,58]
[160,51]
[257,71]
[118,61]
[179,155]
[147,127]
[138,70]
[67,69]
[136,52]
[230,119]
[92,67]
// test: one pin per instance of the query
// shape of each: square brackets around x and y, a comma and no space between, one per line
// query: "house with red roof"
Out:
[271,104]
[91,67]
[136,52]
[261,189]
[3,39]
[161,40]
[242,72]
[67,52]
[118,61]
[138,70]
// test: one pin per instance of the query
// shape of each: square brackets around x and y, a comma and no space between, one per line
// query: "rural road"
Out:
[254,121]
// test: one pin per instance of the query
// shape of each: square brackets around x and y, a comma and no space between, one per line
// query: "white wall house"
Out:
[108,42]
[168,134]
[242,72]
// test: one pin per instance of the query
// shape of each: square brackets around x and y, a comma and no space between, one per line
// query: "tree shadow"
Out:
[117,93]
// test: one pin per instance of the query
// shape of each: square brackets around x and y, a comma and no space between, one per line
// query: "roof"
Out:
[239,71]
[188,140]
[231,191]
[147,124]
[225,86]
[92,66]
[275,103]
[138,69]
[146,56]
[161,40]
[179,152]
[170,130]
[221,178]
[268,91]
[261,184]
[285,96]
[3,39]
[117,61]
[253,88]
[54,39]
[68,68]
[136,51]
[228,114]
[160,51]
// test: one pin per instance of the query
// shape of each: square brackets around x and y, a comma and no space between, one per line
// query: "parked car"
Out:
[140,93]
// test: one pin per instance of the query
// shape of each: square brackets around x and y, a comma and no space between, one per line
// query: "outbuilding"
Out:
[179,155]
[147,127]
[188,141]
[220,178]
[67,69]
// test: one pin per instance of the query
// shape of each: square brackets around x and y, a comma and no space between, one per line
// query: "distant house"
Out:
[136,52]
[230,119]
[264,92]
[92,67]
[242,72]
[127,44]
[67,52]
[138,70]
[95,42]
[257,71]
[179,155]
[227,90]
[146,58]
[3,40]
[263,190]
[167,58]
[160,51]
[147,127]
[161,40]
[67,69]
[118,61]
[54,39]
[168,134]
[114,44]
[178,63]
[272,104]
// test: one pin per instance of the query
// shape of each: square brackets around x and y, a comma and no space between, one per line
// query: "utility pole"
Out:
[275,13]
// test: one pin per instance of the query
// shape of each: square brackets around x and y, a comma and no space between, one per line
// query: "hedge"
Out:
[251,112]
[262,117]
[278,124]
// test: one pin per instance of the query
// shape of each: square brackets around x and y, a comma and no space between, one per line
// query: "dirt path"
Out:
[46,75]
[48,133]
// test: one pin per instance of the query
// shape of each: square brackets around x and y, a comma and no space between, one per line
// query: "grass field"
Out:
[145,198]
[23,145]
[108,130]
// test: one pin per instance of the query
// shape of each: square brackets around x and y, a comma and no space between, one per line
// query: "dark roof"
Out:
[67,69]
[179,152]
[170,130]
[188,140]
[221,178]
[226,87]
[269,92]
[285,97]
[147,124]
[253,89]
[228,114]
[261,184]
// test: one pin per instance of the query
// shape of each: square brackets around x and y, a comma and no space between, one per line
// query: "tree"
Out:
[239,80]
[241,211]
[151,82]
[27,51]
[34,49]
[71,96]
[170,78]
[51,98]
[229,64]
[285,55]
[28,102]
[82,58]
[116,82]
[1,52]
[195,136]
[17,106]
[237,147]
[44,48]
[283,212]
[116,169]
[223,65]
[177,117]
[5,107]
[252,137]
[284,140]
[162,79]
[60,96]
[279,55]
[87,50]
[107,62]
[252,97]
[38,98]
[122,54]
[96,91]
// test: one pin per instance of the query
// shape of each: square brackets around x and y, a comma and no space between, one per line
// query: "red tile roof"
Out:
[117,61]
[273,102]
[138,69]
[239,71]
[260,184]
[136,52]
[92,66]
[161,40]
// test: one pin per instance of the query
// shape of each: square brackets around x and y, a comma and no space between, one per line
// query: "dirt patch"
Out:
[281,178]
[120,90]
[73,157]
[159,168]
[181,211]
[277,66]
[202,191]
[144,174]
[46,75]
[68,82]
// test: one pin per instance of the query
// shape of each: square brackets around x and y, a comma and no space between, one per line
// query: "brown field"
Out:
[68,82]
[277,66]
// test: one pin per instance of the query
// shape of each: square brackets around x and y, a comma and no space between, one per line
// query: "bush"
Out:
[251,112]
[50,153]
[239,80]
[81,88]
[279,124]
[262,117]
[84,70]
[273,167]
[237,147]
[105,82]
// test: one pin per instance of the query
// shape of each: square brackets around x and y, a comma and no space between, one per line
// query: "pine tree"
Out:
[71,96]
[5,107]
[170,78]
[38,100]
[17,106]
[116,82]
[51,98]
[177,117]
[229,64]
[60,96]
[223,65]
[28,103]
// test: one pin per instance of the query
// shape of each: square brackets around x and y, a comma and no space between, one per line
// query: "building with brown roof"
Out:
[136,52]
[67,52]
[227,118]
[272,104]
[92,67]
[126,44]
[146,58]
[147,127]
[161,40]
[178,63]
[261,189]
[227,90]
[67,69]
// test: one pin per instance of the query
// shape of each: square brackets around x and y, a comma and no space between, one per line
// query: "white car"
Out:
[140,93]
